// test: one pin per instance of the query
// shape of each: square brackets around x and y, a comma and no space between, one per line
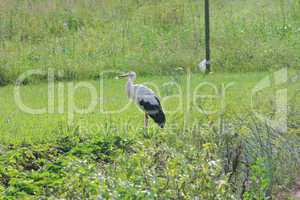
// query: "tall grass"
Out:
[83,38]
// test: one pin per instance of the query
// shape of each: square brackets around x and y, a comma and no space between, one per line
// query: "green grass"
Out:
[17,126]
[83,38]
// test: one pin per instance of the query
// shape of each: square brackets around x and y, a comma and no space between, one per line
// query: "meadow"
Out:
[227,135]
[83,38]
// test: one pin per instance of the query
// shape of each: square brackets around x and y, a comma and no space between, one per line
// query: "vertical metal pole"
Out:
[207,36]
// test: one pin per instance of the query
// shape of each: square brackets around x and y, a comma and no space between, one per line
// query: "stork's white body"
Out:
[146,99]
[137,92]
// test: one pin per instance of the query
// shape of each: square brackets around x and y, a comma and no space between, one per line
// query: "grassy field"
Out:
[112,157]
[224,137]
[83,38]
[111,108]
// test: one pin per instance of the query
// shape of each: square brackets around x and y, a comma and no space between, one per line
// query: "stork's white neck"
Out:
[130,88]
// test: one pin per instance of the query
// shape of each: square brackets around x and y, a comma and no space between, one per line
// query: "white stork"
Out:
[146,99]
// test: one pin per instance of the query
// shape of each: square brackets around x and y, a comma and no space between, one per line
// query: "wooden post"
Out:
[207,37]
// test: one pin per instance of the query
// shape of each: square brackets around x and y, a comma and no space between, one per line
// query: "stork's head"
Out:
[131,75]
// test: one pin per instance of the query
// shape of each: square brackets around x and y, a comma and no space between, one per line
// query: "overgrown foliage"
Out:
[67,168]
[244,160]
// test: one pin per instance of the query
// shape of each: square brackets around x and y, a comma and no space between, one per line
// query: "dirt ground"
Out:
[296,190]
[294,193]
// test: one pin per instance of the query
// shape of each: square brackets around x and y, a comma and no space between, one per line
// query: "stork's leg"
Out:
[146,122]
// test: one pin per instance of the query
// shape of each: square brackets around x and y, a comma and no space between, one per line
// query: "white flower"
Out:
[213,163]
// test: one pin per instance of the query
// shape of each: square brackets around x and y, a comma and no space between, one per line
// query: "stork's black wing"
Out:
[151,105]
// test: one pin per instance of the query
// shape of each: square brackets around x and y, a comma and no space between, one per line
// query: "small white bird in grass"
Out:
[146,99]
[202,65]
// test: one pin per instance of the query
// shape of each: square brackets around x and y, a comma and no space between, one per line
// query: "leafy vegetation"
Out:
[206,162]
[57,169]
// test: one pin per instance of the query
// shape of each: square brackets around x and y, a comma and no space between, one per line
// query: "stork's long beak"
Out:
[123,75]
